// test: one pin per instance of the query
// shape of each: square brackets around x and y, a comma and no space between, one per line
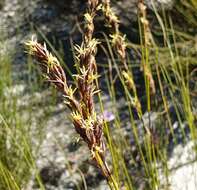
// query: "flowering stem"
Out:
[106,172]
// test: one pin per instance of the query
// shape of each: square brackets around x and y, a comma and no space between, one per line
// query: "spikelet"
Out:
[85,120]
[148,41]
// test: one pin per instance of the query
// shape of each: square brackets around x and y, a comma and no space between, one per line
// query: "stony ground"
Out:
[62,162]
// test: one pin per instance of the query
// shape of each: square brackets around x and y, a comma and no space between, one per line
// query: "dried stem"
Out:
[147,41]
[119,43]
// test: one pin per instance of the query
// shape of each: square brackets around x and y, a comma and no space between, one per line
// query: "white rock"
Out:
[159,4]
[183,167]
[16,90]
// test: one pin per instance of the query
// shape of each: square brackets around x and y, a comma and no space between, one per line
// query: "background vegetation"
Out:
[138,159]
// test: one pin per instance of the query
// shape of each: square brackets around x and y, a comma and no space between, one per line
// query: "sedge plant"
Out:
[79,99]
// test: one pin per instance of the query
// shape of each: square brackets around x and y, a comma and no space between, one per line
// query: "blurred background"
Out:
[38,144]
